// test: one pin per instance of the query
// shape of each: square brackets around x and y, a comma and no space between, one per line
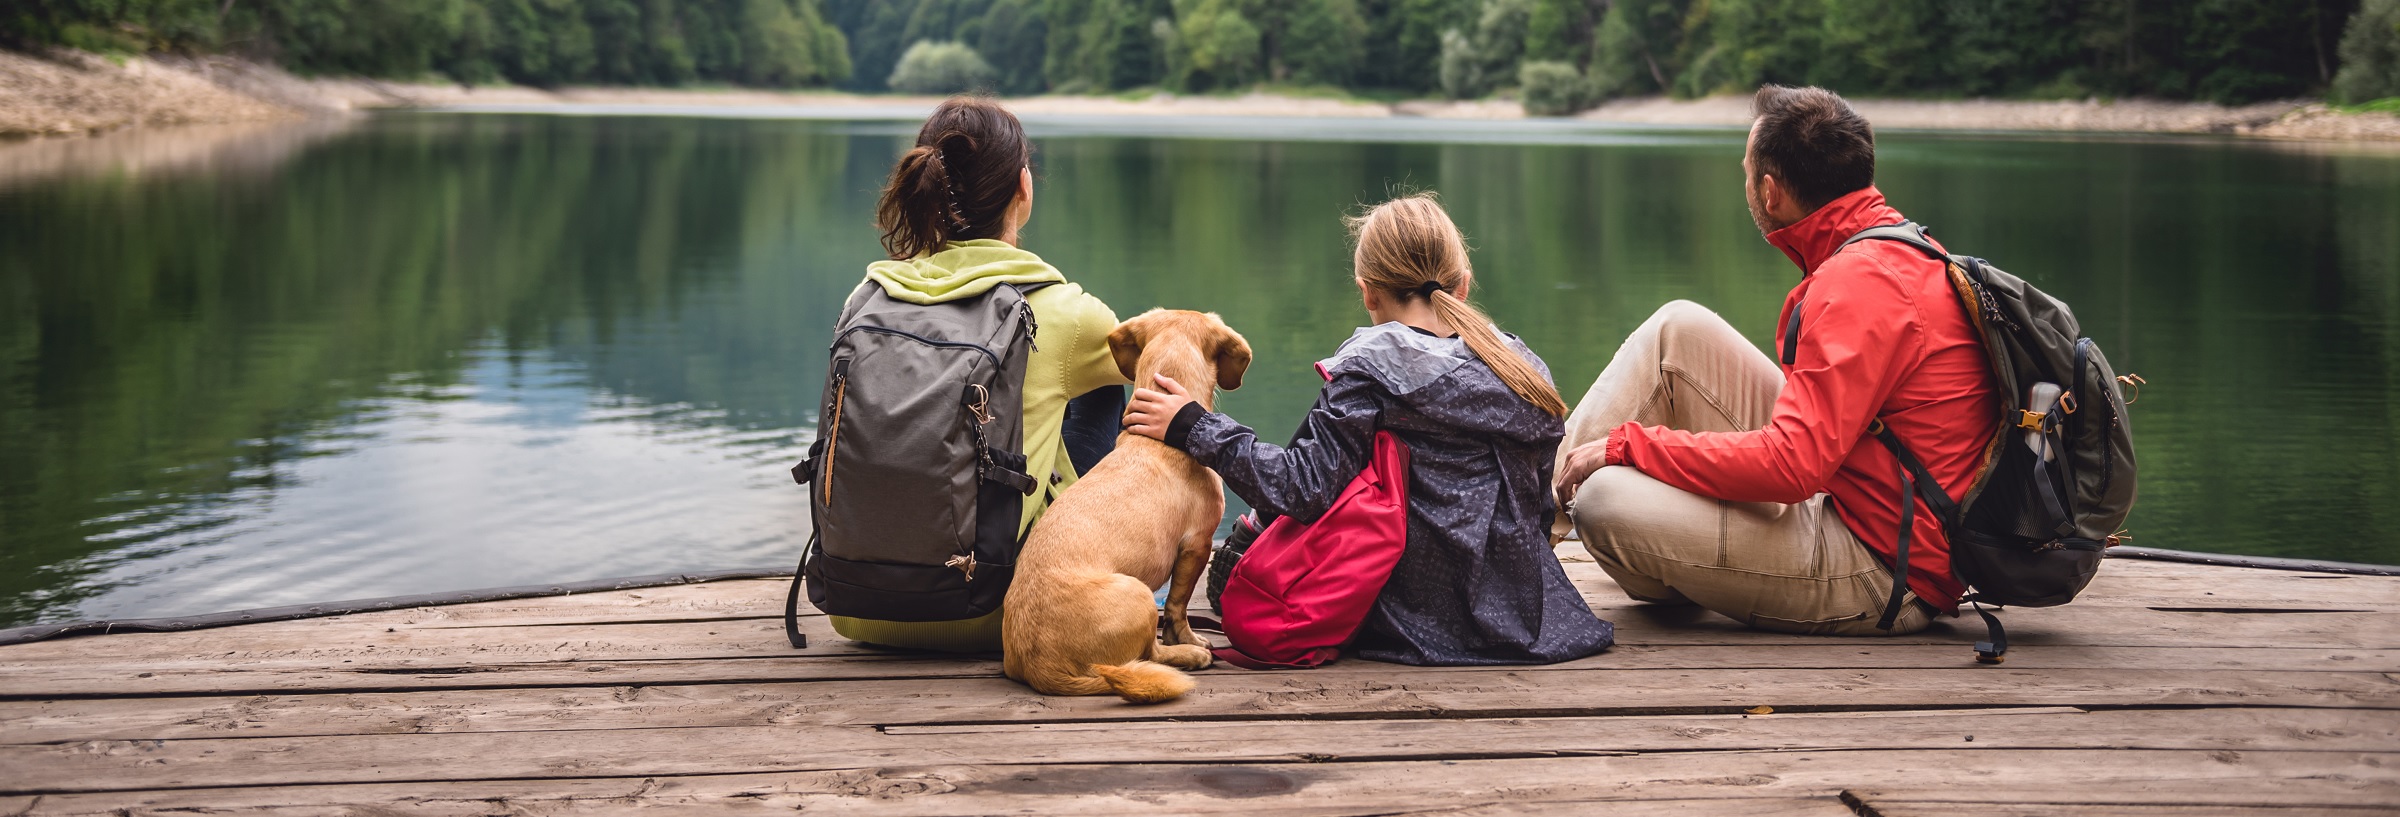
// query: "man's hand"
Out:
[1151,410]
[1579,465]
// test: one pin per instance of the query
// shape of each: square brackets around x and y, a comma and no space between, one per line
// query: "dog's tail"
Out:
[1144,682]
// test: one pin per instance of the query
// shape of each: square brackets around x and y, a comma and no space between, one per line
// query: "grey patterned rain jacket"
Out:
[1478,583]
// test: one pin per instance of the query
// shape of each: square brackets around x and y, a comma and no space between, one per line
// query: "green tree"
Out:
[1733,45]
[1553,88]
[1473,64]
[2246,50]
[1635,47]
[874,29]
[1313,41]
[787,43]
[1561,30]
[1100,45]
[941,68]
[1879,47]
[1404,41]
[1014,38]
[2370,54]
[1210,44]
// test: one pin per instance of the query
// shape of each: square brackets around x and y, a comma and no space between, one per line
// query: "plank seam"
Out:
[1198,762]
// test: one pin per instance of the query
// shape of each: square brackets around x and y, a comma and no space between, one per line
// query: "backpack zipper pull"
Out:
[833,434]
[965,562]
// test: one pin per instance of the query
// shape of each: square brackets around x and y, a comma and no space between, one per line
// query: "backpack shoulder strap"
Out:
[1906,232]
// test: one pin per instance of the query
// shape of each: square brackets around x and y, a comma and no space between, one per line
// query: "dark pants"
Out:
[1091,427]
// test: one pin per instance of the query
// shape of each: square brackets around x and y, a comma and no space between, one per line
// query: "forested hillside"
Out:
[1577,51]
[2223,50]
[534,42]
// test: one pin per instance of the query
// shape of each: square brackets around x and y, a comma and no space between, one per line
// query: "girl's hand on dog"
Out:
[1151,410]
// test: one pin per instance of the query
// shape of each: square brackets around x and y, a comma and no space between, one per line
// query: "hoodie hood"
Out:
[964,269]
[1442,385]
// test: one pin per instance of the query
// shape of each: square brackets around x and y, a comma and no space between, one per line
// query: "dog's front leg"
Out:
[1182,648]
[1191,559]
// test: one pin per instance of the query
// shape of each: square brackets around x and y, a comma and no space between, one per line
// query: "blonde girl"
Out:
[1478,583]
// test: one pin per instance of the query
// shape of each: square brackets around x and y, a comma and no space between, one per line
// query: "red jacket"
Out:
[1881,335]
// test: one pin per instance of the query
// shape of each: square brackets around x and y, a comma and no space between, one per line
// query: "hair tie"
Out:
[1427,289]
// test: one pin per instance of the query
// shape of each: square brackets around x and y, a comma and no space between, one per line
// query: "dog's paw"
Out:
[1184,656]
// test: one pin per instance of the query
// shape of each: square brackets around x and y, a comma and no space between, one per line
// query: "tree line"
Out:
[774,43]
[1574,51]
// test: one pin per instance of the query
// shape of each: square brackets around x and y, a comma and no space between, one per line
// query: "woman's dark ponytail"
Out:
[957,183]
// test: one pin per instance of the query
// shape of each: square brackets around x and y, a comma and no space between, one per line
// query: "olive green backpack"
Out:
[2057,476]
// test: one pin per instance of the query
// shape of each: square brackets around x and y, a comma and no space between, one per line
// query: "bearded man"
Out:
[1700,471]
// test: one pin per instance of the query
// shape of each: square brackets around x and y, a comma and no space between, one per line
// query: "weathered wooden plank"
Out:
[2126,582]
[2138,580]
[2242,779]
[736,619]
[1720,807]
[1937,808]
[33,720]
[2094,625]
[23,668]
[1828,806]
[330,642]
[569,751]
[205,678]
[1220,695]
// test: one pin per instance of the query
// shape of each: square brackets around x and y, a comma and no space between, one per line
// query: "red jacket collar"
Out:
[1811,240]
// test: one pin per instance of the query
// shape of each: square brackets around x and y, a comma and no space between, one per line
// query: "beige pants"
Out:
[1791,568]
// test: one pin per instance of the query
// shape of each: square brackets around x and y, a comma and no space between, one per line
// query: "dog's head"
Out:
[1203,332]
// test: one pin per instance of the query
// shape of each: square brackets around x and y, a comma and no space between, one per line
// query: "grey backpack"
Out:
[917,477]
[2057,476]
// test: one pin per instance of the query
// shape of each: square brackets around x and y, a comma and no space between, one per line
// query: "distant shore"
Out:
[71,94]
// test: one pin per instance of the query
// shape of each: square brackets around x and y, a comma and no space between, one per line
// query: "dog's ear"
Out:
[1126,341]
[1233,355]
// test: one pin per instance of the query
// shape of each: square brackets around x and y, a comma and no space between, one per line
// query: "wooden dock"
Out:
[2169,689]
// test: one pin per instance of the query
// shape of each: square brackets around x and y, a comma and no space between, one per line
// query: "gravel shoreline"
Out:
[69,93]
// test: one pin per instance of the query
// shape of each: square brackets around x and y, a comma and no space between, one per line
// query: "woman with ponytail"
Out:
[1478,583]
[952,217]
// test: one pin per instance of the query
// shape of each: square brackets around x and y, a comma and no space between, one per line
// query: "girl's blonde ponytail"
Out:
[1484,339]
[1408,248]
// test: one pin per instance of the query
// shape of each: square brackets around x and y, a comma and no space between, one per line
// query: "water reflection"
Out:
[447,351]
[246,147]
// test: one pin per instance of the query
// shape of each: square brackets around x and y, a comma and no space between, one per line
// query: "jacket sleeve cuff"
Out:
[1179,430]
[1620,447]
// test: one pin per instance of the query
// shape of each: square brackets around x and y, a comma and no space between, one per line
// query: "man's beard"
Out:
[1758,215]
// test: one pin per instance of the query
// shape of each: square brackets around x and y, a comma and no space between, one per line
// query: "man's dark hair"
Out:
[1811,140]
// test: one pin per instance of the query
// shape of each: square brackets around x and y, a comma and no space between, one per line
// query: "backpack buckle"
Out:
[2066,402]
[2033,420]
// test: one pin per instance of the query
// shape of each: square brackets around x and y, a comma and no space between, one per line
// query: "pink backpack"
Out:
[1302,590]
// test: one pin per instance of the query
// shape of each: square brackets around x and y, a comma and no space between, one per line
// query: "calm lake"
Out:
[438,351]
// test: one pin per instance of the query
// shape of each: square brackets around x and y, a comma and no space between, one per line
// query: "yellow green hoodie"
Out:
[1070,357]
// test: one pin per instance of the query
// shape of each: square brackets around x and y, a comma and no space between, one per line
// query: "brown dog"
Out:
[1080,618]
